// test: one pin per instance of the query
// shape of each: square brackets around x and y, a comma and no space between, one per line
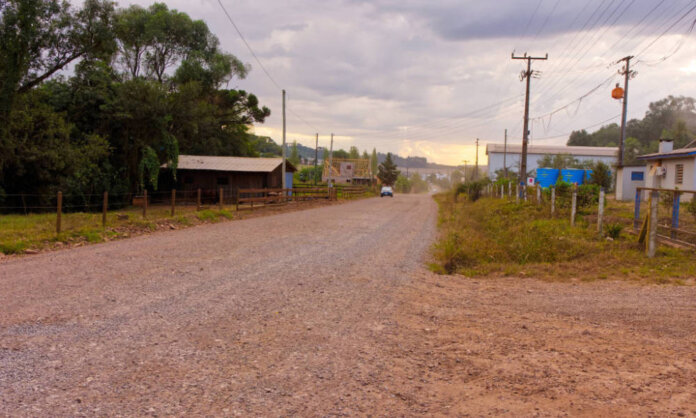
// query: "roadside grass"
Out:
[34,232]
[493,237]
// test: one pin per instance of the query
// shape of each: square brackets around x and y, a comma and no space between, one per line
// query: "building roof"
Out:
[677,153]
[554,149]
[239,164]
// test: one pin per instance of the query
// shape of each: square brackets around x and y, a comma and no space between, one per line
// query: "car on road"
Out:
[386,191]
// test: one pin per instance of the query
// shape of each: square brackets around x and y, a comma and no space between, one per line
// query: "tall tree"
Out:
[387,172]
[294,154]
[373,161]
[354,153]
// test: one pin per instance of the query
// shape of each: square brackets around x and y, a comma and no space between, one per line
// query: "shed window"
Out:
[636,176]
[223,181]
[679,174]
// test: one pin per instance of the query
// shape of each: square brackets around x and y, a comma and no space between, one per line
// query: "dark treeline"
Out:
[143,85]
[672,117]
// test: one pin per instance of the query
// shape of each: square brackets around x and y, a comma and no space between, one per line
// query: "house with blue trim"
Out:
[671,168]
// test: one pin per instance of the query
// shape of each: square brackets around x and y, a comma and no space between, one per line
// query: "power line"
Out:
[581,129]
[248,46]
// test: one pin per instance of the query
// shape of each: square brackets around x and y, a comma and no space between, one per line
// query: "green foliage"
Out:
[146,87]
[673,117]
[613,230]
[387,172]
[354,153]
[418,185]
[294,156]
[403,184]
[148,169]
[601,175]
[373,162]
[691,207]
[472,189]
[309,174]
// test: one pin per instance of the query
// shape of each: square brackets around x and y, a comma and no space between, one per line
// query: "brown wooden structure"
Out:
[227,173]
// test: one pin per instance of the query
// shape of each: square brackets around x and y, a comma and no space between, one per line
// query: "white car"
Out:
[386,191]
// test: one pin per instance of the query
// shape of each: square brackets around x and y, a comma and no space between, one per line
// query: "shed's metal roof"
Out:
[243,164]
[554,149]
[677,153]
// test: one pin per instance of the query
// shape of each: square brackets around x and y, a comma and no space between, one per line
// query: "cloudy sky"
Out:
[426,78]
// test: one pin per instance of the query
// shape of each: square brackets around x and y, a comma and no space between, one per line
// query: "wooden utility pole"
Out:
[504,155]
[284,152]
[475,176]
[330,162]
[627,73]
[316,157]
[528,74]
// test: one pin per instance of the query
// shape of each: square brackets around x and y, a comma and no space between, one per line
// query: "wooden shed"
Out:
[211,173]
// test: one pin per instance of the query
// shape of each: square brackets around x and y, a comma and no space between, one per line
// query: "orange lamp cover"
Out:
[617,93]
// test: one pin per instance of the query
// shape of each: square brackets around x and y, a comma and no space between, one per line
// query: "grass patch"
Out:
[493,237]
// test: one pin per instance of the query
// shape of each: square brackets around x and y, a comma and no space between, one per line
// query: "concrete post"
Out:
[652,224]
[600,212]
[553,200]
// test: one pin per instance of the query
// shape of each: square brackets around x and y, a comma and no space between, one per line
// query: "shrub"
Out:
[691,207]
[613,231]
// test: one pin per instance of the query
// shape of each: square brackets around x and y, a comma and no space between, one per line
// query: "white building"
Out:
[497,153]
[670,168]
[628,179]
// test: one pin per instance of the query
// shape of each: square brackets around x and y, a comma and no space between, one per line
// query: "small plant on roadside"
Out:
[691,207]
[613,230]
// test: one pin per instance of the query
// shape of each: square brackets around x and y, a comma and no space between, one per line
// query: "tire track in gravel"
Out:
[280,315]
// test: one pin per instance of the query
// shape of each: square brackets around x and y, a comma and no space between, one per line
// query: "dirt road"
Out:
[328,311]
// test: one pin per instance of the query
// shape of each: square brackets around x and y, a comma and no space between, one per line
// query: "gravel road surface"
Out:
[273,315]
[329,312]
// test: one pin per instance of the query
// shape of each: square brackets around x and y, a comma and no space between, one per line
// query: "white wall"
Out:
[625,187]
[668,181]
[495,161]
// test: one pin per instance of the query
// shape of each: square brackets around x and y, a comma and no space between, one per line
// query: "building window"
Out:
[636,176]
[679,174]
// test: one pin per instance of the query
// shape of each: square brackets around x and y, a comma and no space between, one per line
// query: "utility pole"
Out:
[284,152]
[504,155]
[330,161]
[475,176]
[627,73]
[316,157]
[528,74]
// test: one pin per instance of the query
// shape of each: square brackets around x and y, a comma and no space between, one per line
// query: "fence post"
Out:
[538,191]
[198,200]
[220,203]
[105,207]
[636,210]
[600,212]
[59,212]
[517,193]
[652,224]
[173,201]
[145,203]
[553,200]
[573,205]
[509,189]
[524,192]
[675,214]
[236,200]
[502,190]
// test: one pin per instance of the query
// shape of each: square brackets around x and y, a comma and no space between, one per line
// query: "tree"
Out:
[402,184]
[354,153]
[365,155]
[601,175]
[373,161]
[294,154]
[456,176]
[387,172]
[341,154]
